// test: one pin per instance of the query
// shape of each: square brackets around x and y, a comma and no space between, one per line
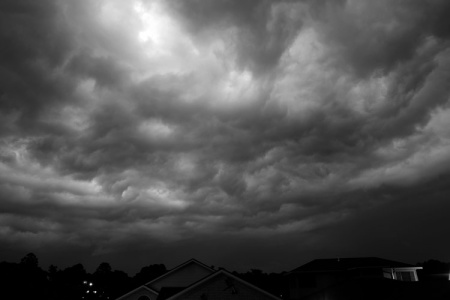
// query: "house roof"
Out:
[215,274]
[142,287]
[382,288]
[175,292]
[191,261]
[343,264]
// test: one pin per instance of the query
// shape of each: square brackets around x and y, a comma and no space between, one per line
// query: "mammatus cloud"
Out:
[188,122]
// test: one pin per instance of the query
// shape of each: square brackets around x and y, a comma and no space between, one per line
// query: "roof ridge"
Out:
[179,267]
[216,273]
[346,263]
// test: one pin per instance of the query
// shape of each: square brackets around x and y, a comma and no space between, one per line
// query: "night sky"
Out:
[246,134]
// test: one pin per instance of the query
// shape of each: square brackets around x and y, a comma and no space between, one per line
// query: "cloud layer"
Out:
[222,127]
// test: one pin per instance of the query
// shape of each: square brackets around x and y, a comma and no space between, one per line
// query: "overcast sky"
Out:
[246,134]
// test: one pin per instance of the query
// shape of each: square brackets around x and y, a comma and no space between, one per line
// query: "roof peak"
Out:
[192,260]
[226,273]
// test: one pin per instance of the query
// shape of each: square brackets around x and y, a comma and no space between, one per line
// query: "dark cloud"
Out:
[34,43]
[216,126]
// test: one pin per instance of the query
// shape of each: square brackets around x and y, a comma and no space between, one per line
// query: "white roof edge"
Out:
[216,274]
[178,267]
[407,268]
[138,288]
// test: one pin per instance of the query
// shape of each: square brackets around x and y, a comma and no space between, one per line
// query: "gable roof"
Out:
[344,264]
[218,273]
[137,289]
[177,268]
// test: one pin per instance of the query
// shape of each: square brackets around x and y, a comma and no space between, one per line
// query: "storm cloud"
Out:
[164,130]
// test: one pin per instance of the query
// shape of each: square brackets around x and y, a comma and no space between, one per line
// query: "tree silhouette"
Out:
[30,260]
[149,273]
[103,268]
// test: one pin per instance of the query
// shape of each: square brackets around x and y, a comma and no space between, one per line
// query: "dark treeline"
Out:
[272,283]
[27,279]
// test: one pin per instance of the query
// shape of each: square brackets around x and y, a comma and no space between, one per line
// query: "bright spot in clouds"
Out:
[157,28]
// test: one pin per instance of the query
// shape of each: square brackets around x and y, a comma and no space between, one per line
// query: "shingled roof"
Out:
[343,264]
